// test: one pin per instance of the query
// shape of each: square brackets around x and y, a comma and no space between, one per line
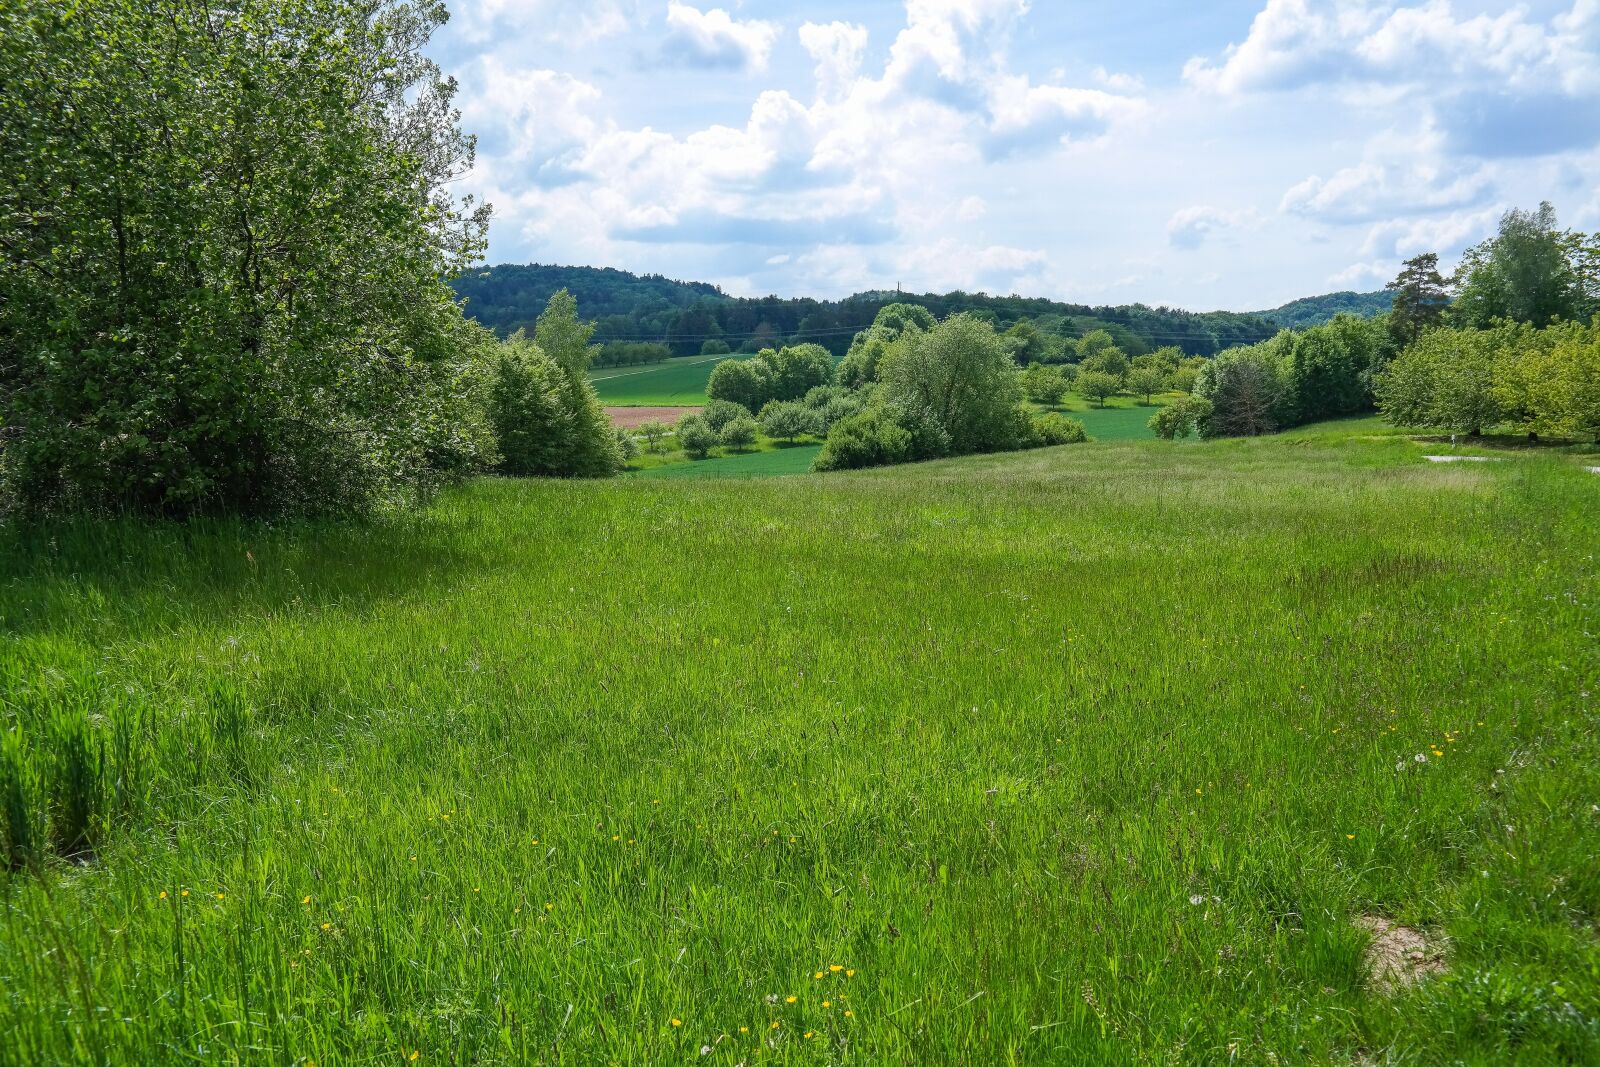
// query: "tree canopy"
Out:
[222,237]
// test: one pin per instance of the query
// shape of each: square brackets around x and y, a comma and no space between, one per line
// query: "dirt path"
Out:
[633,418]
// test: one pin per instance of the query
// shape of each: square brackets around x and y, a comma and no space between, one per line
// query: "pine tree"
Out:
[1420,297]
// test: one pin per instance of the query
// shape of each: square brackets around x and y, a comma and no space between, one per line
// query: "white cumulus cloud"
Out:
[715,39]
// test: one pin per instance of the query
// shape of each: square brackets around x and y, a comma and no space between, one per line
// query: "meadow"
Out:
[1085,755]
[677,382]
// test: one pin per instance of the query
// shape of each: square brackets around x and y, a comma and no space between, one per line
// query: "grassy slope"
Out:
[675,383]
[1084,755]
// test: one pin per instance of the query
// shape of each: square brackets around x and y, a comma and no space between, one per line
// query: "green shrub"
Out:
[1181,418]
[738,434]
[718,413]
[787,420]
[695,436]
[1053,428]
[1044,384]
[715,347]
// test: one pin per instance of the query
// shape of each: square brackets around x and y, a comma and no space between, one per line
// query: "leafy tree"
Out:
[654,433]
[1027,343]
[695,436]
[740,381]
[627,445]
[1098,386]
[718,413]
[1182,380]
[1146,382]
[528,409]
[1523,274]
[1444,381]
[739,434]
[1112,361]
[1044,384]
[592,445]
[961,375]
[1093,343]
[1053,428]
[715,347]
[787,420]
[1326,372]
[1181,418]
[860,364]
[1246,390]
[795,371]
[223,237]
[1548,381]
[1421,296]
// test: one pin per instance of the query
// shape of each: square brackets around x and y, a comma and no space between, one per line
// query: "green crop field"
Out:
[1087,755]
[780,460]
[675,383]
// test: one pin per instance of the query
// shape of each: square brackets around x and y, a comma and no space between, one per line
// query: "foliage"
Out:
[787,373]
[1044,384]
[860,364]
[960,374]
[1328,369]
[1099,386]
[787,420]
[1093,343]
[745,382]
[631,354]
[654,432]
[1316,310]
[1146,382]
[1247,389]
[1549,382]
[528,410]
[1112,361]
[1421,297]
[222,238]
[718,413]
[634,309]
[882,435]
[1180,419]
[715,347]
[627,445]
[695,436]
[738,433]
[1053,428]
[1446,381]
[1523,274]
[1543,382]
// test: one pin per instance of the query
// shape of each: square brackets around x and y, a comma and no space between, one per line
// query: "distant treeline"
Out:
[689,317]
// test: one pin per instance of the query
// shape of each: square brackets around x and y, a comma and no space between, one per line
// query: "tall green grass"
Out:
[1089,755]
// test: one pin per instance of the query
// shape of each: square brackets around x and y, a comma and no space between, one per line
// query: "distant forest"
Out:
[1319,310]
[692,317]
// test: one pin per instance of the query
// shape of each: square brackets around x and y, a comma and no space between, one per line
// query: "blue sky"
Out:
[1220,155]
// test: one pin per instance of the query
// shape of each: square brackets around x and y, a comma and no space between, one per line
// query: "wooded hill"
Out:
[631,308]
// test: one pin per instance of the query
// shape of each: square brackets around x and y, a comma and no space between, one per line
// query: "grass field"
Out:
[1087,755]
[780,461]
[675,383]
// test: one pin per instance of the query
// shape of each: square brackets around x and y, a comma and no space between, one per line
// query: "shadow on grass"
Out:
[138,574]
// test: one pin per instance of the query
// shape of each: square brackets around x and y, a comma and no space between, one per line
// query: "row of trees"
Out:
[1325,372]
[1545,383]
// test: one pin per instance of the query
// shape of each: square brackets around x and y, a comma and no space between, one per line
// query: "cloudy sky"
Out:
[1229,154]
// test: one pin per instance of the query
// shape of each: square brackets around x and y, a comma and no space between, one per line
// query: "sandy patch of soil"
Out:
[1399,956]
[633,418]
